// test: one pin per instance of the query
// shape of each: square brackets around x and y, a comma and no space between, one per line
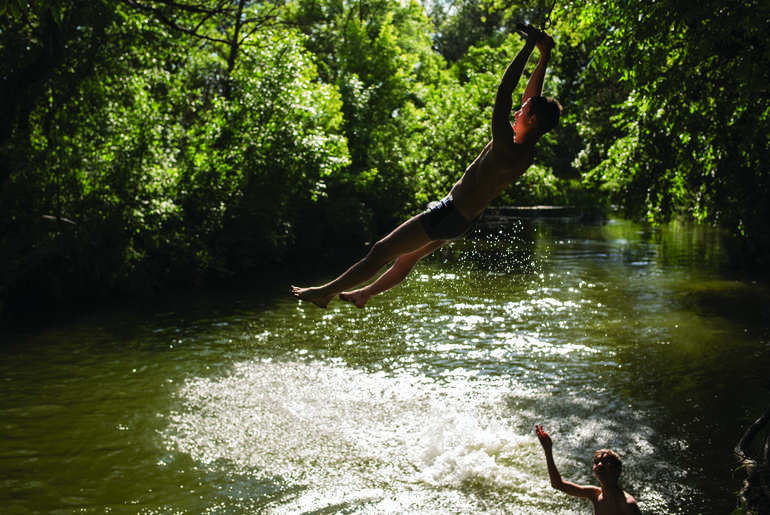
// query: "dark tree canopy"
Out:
[150,143]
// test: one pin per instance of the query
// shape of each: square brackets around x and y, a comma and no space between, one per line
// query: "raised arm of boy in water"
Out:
[502,161]
[609,499]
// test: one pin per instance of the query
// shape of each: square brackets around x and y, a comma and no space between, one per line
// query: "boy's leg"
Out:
[405,239]
[392,277]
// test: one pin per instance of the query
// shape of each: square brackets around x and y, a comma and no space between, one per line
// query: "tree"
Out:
[694,122]
[379,55]
[148,159]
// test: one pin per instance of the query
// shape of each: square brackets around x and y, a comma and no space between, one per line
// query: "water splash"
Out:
[345,441]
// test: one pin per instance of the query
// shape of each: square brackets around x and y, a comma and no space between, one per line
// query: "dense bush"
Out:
[142,144]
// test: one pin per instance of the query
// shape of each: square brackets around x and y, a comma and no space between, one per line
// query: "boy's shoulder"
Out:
[621,505]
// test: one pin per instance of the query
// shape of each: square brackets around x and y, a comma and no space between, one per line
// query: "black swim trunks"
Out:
[442,221]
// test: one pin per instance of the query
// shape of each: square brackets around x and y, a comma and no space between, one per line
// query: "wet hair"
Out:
[610,456]
[547,110]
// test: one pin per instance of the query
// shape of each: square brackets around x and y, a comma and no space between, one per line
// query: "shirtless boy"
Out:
[610,499]
[501,162]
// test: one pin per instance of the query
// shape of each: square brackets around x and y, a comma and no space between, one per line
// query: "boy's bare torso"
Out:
[616,505]
[496,167]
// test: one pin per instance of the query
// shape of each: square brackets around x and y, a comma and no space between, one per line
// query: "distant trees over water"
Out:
[149,143]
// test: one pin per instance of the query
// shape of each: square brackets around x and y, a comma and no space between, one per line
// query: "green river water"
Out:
[240,399]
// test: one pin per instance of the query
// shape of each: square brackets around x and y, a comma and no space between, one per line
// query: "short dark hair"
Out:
[610,456]
[547,110]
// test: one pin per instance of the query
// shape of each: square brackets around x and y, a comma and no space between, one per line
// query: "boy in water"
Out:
[610,499]
[502,161]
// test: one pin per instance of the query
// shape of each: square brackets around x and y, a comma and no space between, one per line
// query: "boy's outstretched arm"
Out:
[535,84]
[584,492]
[501,114]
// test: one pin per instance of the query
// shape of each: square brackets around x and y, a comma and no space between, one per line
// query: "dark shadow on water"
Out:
[626,335]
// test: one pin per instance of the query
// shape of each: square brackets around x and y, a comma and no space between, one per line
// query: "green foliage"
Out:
[138,171]
[694,123]
[20,10]
[142,143]
[277,145]
[473,23]
[380,57]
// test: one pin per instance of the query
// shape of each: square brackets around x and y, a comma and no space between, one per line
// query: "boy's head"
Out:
[607,464]
[547,110]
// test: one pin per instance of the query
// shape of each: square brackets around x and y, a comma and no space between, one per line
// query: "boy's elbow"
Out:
[558,484]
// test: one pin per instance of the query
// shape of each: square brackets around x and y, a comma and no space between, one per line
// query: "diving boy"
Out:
[501,162]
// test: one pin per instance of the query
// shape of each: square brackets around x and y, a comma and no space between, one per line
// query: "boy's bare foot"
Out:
[356,297]
[311,295]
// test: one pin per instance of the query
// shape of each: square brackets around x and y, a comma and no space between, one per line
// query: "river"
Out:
[240,399]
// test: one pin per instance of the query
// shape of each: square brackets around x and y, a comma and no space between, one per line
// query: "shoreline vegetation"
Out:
[146,146]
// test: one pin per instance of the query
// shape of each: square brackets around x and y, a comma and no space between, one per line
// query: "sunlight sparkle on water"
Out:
[370,441]
[235,400]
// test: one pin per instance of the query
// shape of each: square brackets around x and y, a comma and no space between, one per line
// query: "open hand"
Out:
[545,440]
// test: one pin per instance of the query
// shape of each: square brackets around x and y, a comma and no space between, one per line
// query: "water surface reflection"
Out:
[243,400]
